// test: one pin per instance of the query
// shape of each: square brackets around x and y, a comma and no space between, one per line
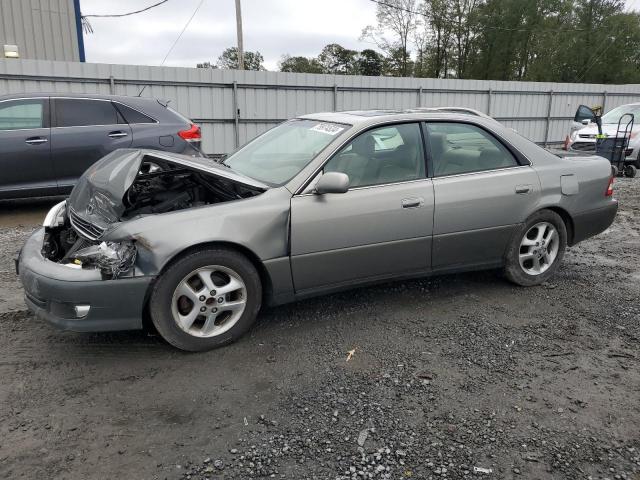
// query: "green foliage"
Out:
[586,41]
[229,60]
[300,64]
[338,60]
[370,63]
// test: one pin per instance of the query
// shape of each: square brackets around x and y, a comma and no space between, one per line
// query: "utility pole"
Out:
[239,33]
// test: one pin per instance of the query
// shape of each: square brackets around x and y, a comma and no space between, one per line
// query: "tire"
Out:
[630,171]
[524,273]
[614,171]
[194,315]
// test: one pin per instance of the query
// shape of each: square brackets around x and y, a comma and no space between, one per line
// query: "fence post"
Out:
[236,115]
[112,85]
[335,97]
[604,102]
[420,96]
[490,95]
[546,132]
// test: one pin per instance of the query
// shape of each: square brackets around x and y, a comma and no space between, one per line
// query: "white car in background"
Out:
[584,130]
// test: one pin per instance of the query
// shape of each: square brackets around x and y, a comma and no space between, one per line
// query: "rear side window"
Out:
[462,148]
[22,114]
[77,112]
[131,115]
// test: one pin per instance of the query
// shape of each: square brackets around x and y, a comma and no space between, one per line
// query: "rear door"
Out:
[25,160]
[83,131]
[482,193]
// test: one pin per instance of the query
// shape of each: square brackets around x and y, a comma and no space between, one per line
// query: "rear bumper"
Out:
[53,290]
[593,222]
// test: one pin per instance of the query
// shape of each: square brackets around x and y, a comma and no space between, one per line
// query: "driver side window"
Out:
[388,154]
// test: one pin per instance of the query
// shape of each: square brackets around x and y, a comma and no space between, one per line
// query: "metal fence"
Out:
[234,106]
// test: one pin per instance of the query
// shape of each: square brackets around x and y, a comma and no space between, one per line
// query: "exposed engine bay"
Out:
[165,187]
[160,186]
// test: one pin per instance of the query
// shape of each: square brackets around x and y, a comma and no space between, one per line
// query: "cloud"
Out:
[273,27]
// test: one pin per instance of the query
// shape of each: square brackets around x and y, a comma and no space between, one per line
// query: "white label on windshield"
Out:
[328,128]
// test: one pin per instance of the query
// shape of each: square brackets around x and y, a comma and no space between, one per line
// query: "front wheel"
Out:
[536,251]
[206,299]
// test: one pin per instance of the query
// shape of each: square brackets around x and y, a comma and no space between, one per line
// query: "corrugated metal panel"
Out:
[42,29]
[266,98]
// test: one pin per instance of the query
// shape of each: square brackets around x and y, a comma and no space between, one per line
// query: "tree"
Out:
[397,63]
[336,59]
[300,64]
[398,17]
[370,63]
[229,60]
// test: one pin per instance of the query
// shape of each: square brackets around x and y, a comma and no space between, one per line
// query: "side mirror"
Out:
[586,121]
[332,182]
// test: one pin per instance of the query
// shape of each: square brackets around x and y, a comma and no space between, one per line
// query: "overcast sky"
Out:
[273,27]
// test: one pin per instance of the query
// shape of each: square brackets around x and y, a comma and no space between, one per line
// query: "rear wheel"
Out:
[206,299]
[536,251]
[630,171]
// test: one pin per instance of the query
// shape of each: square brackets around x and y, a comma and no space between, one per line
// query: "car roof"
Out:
[360,117]
[98,96]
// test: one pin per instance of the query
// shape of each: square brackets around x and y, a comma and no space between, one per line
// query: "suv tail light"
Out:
[609,191]
[192,134]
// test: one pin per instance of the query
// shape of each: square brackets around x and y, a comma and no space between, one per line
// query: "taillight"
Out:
[609,191]
[192,134]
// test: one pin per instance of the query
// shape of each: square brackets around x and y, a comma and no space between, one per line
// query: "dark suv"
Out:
[48,140]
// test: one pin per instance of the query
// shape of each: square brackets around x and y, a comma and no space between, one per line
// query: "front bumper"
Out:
[593,222]
[52,289]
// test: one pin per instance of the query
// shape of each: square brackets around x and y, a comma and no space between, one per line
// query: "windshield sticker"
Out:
[328,128]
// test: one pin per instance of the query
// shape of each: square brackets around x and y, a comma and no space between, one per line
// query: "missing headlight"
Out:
[112,258]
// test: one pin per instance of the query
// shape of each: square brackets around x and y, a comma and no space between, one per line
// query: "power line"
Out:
[186,25]
[126,14]
[183,30]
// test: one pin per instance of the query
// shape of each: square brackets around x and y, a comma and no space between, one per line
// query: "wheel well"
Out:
[265,278]
[568,222]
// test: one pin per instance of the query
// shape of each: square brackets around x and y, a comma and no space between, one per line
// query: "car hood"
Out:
[98,196]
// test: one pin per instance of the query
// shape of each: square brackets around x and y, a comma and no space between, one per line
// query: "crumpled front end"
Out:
[76,298]
[82,270]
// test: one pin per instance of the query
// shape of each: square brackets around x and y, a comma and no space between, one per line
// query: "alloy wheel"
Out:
[209,301]
[539,248]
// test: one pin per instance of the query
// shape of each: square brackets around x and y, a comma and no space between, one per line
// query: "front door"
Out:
[84,130]
[25,160]
[482,194]
[380,228]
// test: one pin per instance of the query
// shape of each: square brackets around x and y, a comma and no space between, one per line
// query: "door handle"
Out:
[414,202]
[523,189]
[118,134]
[35,140]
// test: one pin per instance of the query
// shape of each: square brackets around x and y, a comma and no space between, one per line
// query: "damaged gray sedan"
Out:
[315,205]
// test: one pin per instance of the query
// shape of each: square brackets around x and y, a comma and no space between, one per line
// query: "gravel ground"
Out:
[460,376]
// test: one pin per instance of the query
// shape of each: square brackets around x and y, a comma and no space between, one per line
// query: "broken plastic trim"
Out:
[112,258]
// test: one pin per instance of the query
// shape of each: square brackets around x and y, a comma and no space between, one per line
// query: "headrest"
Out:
[438,143]
[364,145]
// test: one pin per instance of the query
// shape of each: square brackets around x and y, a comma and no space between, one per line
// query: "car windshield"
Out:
[614,115]
[281,153]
